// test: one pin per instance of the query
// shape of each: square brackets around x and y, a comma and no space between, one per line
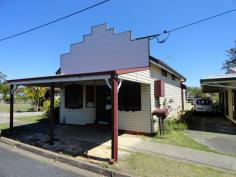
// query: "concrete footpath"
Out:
[202,157]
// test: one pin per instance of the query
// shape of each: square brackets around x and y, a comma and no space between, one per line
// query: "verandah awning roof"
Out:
[59,79]
[217,83]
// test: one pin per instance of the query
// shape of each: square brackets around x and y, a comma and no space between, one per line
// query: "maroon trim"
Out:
[119,71]
[11,107]
[159,88]
[62,76]
[114,142]
[130,70]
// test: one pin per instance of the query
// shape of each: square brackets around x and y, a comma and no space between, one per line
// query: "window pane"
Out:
[74,96]
[172,77]
[130,96]
[163,72]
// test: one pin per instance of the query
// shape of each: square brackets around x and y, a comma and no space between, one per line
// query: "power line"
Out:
[53,21]
[184,26]
[200,21]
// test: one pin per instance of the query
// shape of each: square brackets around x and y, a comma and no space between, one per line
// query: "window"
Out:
[203,102]
[163,72]
[74,96]
[90,96]
[130,96]
[173,77]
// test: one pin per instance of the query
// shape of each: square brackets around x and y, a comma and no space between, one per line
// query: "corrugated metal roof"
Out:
[222,76]
[219,78]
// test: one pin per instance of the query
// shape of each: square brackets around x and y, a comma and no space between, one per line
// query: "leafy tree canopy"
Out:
[230,64]
[36,94]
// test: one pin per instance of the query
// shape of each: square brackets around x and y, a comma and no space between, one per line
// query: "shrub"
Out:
[175,125]
[46,108]
[6,99]
[178,124]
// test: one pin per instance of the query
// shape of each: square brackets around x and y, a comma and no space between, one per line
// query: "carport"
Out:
[225,86]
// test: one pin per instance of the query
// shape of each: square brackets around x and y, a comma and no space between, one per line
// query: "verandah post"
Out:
[51,116]
[11,107]
[114,142]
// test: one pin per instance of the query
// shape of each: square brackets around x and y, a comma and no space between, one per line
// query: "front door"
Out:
[103,105]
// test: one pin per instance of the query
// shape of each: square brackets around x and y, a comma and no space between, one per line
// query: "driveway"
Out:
[19,163]
[214,131]
[212,123]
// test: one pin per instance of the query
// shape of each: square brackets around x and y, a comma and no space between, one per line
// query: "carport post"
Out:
[11,106]
[114,142]
[51,116]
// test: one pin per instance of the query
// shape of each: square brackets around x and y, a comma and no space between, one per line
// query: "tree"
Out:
[36,94]
[195,91]
[4,87]
[230,64]
[2,77]
[4,90]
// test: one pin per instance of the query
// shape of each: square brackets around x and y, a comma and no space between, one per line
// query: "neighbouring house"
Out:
[224,85]
[111,79]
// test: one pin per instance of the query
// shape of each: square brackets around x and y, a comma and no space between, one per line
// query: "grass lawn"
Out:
[20,107]
[143,165]
[178,138]
[4,126]
[32,119]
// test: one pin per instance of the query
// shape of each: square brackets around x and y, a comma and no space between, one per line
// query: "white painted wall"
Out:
[103,50]
[139,121]
[172,92]
[132,121]
[78,116]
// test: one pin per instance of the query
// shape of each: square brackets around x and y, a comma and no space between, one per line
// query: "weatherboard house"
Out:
[111,79]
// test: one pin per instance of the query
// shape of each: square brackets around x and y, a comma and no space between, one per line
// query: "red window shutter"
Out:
[159,88]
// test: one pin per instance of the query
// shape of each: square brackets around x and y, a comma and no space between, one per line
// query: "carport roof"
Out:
[218,82]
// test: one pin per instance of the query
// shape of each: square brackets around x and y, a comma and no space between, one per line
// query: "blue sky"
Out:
[195,52]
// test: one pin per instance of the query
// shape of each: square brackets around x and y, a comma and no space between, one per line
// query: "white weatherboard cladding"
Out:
[172,91]
[78,116]
[131,121]
[139,121]
[103,50]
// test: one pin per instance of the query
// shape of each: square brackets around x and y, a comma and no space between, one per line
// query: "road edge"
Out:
[57,157]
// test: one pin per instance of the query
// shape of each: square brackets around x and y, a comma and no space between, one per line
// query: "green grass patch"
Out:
[4,126]
[32,119]
[143,165]
[178,138]
[174,134]
[19,107]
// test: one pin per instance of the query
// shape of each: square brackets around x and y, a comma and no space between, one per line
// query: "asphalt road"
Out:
[19,163]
